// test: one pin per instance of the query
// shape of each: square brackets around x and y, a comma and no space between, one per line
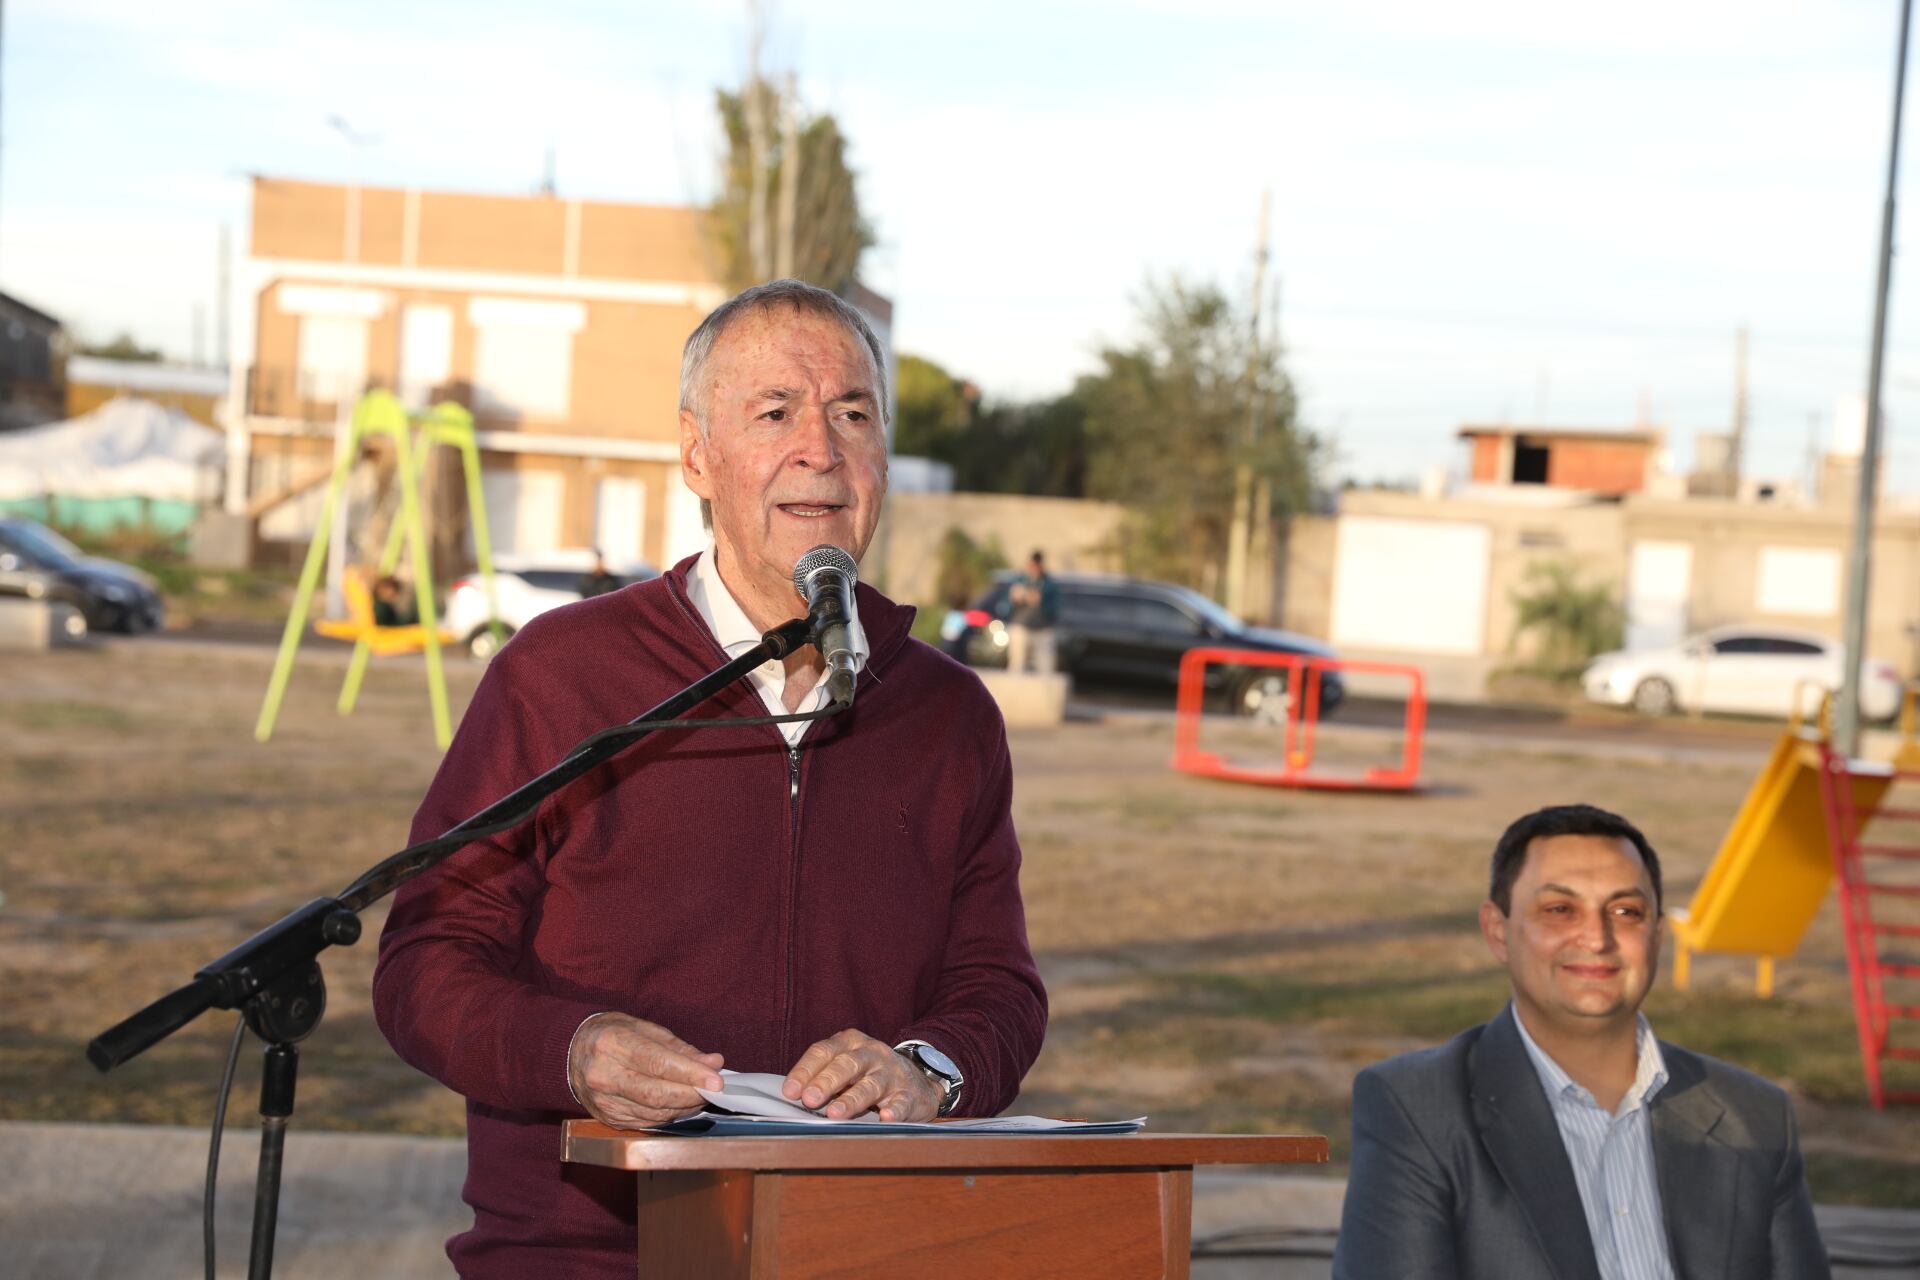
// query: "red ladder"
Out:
[1881,949]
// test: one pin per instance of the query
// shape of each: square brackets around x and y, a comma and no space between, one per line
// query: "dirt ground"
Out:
[1220,956]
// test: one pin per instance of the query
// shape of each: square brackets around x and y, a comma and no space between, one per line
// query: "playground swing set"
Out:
[380,415]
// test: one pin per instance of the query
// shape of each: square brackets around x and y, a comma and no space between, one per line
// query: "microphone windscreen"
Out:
[824,556]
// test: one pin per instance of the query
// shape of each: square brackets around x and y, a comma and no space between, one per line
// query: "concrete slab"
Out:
[99,1202]
[1030,700]
[34,626]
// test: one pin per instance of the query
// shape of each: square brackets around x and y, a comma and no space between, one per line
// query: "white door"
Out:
[619,519]
[426,352]
[523,509]
[1410,585]
[1659,581]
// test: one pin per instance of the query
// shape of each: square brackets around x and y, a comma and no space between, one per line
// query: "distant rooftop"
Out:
[11,303]
[1631,435]
[146,375]
[1602,461]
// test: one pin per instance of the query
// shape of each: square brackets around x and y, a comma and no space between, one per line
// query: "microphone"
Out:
[824,577]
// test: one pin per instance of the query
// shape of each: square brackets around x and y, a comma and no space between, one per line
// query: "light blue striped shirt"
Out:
[1612,1158]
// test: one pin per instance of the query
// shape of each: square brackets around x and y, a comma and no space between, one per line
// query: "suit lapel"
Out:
[1699,1174]
[1523,1139]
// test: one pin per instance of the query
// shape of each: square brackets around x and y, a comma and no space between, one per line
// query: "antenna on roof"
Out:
[546,176]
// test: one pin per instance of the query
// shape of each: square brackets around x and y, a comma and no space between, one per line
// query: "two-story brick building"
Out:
[558,321]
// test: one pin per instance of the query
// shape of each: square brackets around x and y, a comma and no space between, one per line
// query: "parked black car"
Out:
[1129,632]
[38,563]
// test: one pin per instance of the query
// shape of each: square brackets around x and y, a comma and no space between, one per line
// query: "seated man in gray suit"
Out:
[1562,1139]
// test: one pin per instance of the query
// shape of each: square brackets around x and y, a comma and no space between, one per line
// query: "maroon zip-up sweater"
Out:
[750,898]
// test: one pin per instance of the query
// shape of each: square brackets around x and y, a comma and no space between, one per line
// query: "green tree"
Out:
[1034,447]
[933,410]
[123,347]
[1171,419]
[1572,620]
[828,233]
[966,567]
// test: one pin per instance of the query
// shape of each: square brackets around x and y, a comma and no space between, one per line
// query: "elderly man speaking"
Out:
[837,900]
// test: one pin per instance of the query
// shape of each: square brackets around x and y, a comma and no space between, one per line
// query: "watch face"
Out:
[936,1061]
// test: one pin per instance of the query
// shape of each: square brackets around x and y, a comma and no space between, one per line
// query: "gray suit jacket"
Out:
[1459,1171]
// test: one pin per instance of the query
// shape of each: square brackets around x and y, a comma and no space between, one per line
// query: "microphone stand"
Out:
[274,977]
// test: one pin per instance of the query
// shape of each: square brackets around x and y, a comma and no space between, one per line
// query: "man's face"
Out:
[1582,940]
[795,453]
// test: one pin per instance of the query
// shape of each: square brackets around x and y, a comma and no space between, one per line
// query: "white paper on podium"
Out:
[757,1093]
[751,1101]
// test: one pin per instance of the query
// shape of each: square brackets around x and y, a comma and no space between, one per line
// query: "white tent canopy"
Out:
[127,448]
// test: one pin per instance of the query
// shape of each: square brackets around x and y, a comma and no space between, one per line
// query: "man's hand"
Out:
[629,1073]
[851,1073]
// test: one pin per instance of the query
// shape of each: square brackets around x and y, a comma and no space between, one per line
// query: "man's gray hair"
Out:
[796,294]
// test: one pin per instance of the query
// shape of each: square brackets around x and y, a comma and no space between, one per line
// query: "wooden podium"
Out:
[984,1207]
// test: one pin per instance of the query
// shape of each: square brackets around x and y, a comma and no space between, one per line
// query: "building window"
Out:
[1802,581]
[333,358]
[523,356]
[332,354]
[1529,463]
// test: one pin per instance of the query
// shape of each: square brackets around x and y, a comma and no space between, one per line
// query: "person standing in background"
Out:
[598,580]
[1036,608]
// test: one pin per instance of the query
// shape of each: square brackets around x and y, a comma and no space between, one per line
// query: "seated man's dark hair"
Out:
[1562,820]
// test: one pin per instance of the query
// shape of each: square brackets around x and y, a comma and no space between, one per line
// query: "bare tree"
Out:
[820,234]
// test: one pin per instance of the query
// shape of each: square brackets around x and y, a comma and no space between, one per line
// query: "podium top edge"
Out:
[590,1142]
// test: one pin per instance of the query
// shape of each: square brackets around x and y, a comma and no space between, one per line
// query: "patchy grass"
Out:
[1844,1179]
[1430,1006]
[34,717]
[1223,958]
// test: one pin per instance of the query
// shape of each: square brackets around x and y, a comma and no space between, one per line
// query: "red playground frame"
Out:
[1304,674]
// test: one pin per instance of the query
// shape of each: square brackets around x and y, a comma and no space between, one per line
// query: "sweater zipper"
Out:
[793,890]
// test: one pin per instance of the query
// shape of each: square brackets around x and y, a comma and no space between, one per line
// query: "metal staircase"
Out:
[1877,877]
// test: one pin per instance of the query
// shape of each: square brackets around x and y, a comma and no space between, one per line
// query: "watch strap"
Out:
[950,1086]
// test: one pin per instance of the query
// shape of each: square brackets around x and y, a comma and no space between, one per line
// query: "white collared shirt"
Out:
[714,601]
[1612,1158]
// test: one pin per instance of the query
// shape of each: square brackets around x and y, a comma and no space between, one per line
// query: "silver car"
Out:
[526,586]
[1746,670]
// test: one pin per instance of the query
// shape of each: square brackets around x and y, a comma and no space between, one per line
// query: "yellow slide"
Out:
[1775,865]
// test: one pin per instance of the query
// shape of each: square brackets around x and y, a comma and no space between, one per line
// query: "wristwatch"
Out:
[937,1067]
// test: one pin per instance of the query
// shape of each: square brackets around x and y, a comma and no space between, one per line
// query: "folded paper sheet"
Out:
[751,1103]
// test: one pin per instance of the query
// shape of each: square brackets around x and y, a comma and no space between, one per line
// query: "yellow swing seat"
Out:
[359,625]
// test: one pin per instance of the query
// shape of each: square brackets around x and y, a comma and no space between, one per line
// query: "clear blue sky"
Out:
[1482,211]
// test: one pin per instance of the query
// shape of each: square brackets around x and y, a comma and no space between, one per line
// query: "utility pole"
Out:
[1238,531]
[1737,438]
[222,299]
[358,142]
[1263,597]
[1810,464]
[1846,716]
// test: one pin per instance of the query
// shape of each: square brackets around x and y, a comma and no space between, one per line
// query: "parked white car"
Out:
[526,587]
[1743,669]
